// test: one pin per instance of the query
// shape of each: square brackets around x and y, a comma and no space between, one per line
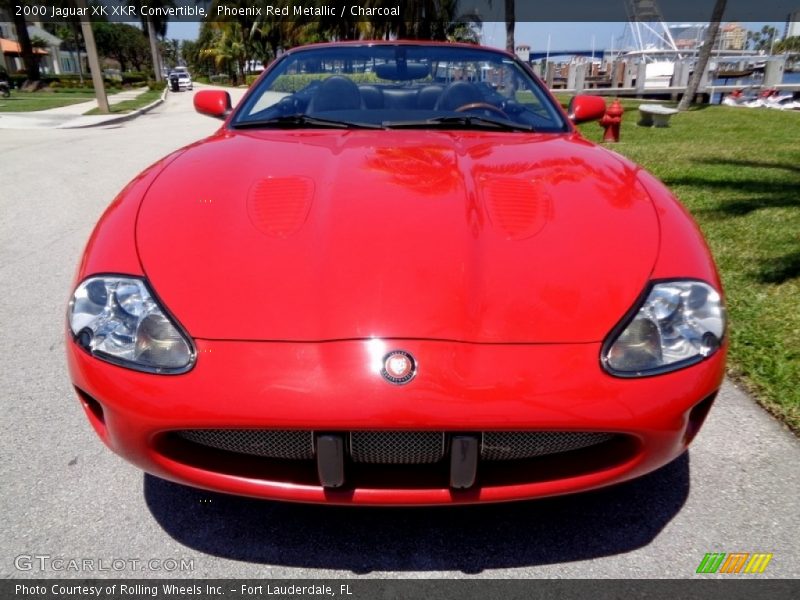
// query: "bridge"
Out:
[539,55]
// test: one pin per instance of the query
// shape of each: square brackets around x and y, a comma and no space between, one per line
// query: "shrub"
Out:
[220,79]
[134,77]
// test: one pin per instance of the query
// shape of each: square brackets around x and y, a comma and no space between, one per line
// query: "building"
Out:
[11,61]
[523,52]
[732,36]
[53,60]
[792,25]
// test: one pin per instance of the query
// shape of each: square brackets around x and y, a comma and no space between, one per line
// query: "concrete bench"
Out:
[655,114]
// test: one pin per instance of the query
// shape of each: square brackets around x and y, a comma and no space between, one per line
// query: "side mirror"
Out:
[586,108]
[214,103]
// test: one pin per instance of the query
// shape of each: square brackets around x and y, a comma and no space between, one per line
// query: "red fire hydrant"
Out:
[612,121]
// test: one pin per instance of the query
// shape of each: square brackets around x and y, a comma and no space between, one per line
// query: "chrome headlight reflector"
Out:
[679,323]
[117,319]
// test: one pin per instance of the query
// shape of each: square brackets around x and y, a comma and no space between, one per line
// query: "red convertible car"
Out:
[397,274]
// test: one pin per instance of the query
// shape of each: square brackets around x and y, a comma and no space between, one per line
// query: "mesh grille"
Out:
[393,447]
[257,442]
[397,447]
[509,445]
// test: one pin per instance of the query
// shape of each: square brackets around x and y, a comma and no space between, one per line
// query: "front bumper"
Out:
[336,387]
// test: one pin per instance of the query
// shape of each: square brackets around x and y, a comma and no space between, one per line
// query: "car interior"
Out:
[402,93]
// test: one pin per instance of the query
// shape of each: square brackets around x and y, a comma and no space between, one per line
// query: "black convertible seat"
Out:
[458,94]
[376,97]
[372,96]
[336,93]
[428,96]
[400,98]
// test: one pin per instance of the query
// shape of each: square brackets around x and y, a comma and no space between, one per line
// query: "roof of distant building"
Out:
[12,47]
[34,31]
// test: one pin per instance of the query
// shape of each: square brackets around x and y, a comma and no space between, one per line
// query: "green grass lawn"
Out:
[738,171]
[126,106]
[33,101]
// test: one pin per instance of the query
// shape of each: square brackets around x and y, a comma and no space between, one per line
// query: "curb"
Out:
[122,118]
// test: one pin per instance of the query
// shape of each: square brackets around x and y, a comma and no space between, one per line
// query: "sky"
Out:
[563,36]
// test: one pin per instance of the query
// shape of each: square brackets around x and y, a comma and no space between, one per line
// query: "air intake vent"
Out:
[298,445]
[397,447]
[510,445]
[279,206]
[394,447]
[519,208]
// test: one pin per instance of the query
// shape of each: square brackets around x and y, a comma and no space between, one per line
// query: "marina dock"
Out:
[629,79]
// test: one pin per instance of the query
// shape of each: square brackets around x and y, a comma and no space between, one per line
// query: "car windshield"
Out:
[400,86]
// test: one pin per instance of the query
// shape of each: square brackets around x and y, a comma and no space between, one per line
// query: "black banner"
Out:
[366,10]
[732,588]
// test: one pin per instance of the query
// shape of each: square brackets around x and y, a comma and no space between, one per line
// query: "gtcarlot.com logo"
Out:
[46,562]
[734,563]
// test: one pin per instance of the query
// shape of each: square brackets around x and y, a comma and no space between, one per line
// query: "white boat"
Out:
[782,102]
[659,74]
[770,98]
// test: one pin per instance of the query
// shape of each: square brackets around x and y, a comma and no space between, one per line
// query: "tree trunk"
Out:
[151,32]
[122,59]
[76,33]
[511,22]
[705,53]
[94,61]
[29,59]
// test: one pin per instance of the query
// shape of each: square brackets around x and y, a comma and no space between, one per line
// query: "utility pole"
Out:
[94,60]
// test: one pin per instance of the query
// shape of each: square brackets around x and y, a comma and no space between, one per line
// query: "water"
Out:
[791,78]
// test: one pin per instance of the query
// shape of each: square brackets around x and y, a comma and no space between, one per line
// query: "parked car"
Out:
[180,80]
[415,285]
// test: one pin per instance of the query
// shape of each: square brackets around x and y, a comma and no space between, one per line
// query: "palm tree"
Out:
[768,35]
[790,44]
[151,35]
[511,22]
[275,34]
[421,19]
[154,27]
[463,31]
[705,53]
[228,51]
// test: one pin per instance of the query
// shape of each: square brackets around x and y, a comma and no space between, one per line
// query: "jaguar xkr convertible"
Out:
[397,274]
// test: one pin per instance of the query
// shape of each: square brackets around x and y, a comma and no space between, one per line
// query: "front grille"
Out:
[394,447]
[397,447]
[511,445]
[269,443]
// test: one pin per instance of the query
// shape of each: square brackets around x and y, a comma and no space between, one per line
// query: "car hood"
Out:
[330,235]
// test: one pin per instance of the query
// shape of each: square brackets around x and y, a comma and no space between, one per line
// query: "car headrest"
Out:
[336,93]
[458,94]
